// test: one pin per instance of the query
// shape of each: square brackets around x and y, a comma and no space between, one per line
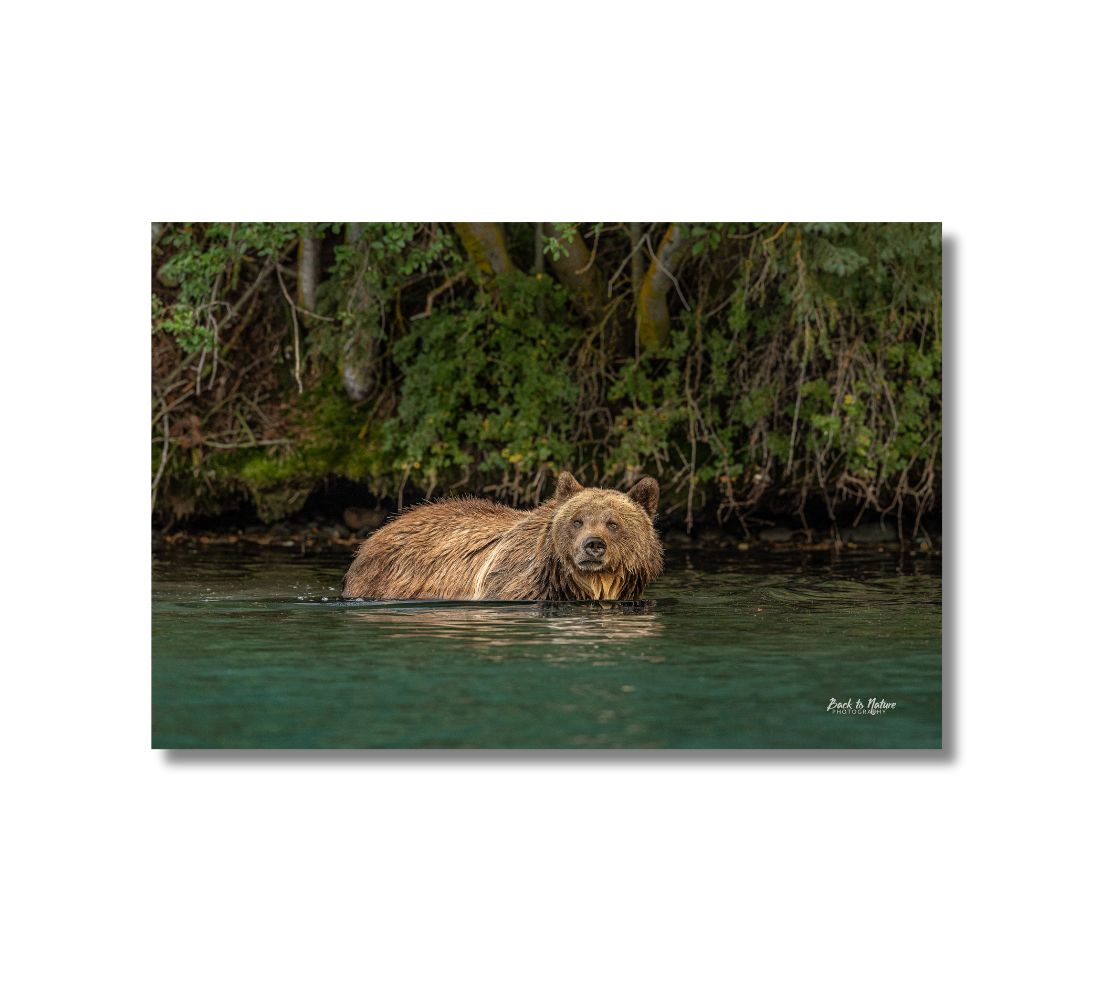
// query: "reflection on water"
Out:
[257,649]
[511,624]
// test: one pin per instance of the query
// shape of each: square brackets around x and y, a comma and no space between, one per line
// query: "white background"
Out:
[986,870]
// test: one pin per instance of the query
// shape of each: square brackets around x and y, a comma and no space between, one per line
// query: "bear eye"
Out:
[577,524]
[612,525]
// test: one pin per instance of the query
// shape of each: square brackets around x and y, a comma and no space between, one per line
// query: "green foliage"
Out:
[377,263]
[557,246]
[803,362]
[205,264]
[487,390]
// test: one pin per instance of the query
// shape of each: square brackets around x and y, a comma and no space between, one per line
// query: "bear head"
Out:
[606,531]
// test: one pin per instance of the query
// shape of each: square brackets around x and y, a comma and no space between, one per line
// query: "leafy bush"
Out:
[801,365]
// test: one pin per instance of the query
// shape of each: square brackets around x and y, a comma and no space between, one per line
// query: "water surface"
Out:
[255,649]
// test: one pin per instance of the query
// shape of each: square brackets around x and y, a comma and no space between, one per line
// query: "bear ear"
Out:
[645,493]
[566,485]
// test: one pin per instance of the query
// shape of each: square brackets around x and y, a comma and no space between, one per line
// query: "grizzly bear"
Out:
[583,544]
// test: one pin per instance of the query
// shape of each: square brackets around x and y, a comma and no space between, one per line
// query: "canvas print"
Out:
[595,485]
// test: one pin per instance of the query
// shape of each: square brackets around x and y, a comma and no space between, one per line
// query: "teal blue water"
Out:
[255,649]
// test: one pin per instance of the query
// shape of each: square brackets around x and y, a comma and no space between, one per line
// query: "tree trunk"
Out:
[486,247]
[307,270]
[358,367]
[578,274]
[637,268]
[652,307]
[538,248]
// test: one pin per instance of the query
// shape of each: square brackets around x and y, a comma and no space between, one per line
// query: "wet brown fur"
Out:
[477,550]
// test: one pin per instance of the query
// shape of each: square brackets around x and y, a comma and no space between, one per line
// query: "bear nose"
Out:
[595,546]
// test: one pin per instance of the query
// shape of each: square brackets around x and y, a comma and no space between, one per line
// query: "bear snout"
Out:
[594,547]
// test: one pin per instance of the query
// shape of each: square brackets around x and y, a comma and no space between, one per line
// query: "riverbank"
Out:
[354,525]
